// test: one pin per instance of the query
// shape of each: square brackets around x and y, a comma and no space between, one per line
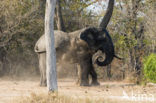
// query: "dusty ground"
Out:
[11,89]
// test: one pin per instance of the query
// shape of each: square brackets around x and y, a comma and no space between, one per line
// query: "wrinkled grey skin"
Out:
[61,43]
[78,47]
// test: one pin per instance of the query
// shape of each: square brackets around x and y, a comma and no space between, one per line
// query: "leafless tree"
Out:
[50,48]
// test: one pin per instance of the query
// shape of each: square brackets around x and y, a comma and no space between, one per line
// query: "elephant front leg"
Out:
[78,71]
[83,73]
[93,73]
[94,77]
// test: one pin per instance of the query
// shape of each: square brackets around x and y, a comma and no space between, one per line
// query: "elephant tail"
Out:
[36,49]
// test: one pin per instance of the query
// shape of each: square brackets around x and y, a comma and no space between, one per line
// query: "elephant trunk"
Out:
[109,55]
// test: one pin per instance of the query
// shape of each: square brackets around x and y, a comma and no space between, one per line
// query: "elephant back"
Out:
[61,39]
[76,34]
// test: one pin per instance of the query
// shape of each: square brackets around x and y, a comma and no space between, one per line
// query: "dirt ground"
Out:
[11,89]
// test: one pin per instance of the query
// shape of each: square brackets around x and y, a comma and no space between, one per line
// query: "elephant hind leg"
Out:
[41,79]
[42,66]
[44,78]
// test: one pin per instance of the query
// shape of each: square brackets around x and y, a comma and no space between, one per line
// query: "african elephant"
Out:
[78,47]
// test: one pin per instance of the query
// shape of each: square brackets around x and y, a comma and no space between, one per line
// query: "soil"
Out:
[11,89]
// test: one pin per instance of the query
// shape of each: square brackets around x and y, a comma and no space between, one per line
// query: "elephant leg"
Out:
[93,73]
[83,72]
[94,76]
[41,77]
[42,66]
[78,71]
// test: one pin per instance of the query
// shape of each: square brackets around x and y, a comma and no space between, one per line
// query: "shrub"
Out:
[150,68]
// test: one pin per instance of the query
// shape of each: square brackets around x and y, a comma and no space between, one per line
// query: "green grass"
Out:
[150,68]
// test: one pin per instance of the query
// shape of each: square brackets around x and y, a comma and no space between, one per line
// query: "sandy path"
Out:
[118,91]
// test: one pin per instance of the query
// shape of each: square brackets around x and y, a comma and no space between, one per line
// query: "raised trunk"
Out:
[108,58]
[108,15]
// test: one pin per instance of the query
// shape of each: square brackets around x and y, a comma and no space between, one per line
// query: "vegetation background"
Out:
[132,28]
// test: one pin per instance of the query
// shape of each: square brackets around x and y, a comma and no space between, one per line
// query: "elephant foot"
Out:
[84,83]
[43,84]
[95,83]
[77,82]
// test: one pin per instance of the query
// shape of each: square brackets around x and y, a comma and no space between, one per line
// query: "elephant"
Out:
[78,47]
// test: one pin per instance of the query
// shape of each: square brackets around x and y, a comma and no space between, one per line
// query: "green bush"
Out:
[150,68]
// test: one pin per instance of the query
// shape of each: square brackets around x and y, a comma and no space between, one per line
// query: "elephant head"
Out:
[99,39]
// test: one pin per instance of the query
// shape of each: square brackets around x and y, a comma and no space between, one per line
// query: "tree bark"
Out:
[60,23]
[136,61]
[50,49]
[108,14]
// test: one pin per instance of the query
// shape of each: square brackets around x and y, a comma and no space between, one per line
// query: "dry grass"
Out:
[55,98]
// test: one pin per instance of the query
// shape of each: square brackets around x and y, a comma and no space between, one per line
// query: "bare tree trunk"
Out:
[138,36]
[50,49]
[60,23]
